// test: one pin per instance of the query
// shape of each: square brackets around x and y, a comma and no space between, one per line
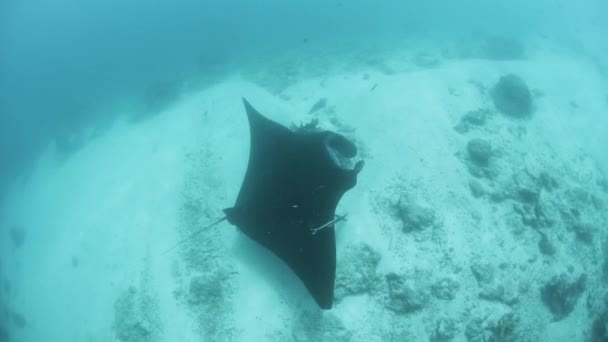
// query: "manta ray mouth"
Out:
[342,152]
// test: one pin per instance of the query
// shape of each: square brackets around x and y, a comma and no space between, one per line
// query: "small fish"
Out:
[320,104]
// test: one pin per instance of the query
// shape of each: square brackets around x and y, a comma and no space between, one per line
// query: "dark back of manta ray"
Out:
[293,184]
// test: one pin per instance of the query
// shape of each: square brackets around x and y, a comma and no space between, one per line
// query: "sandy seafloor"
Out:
[436,247]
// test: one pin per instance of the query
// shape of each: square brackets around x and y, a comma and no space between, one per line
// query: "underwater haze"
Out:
[65,64]
[481,214]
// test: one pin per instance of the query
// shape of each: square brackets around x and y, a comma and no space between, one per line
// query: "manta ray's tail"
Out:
[189,237]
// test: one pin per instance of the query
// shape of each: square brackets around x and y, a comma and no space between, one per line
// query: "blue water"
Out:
[67,66]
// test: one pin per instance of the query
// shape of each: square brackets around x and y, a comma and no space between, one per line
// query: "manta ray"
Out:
[288,198]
